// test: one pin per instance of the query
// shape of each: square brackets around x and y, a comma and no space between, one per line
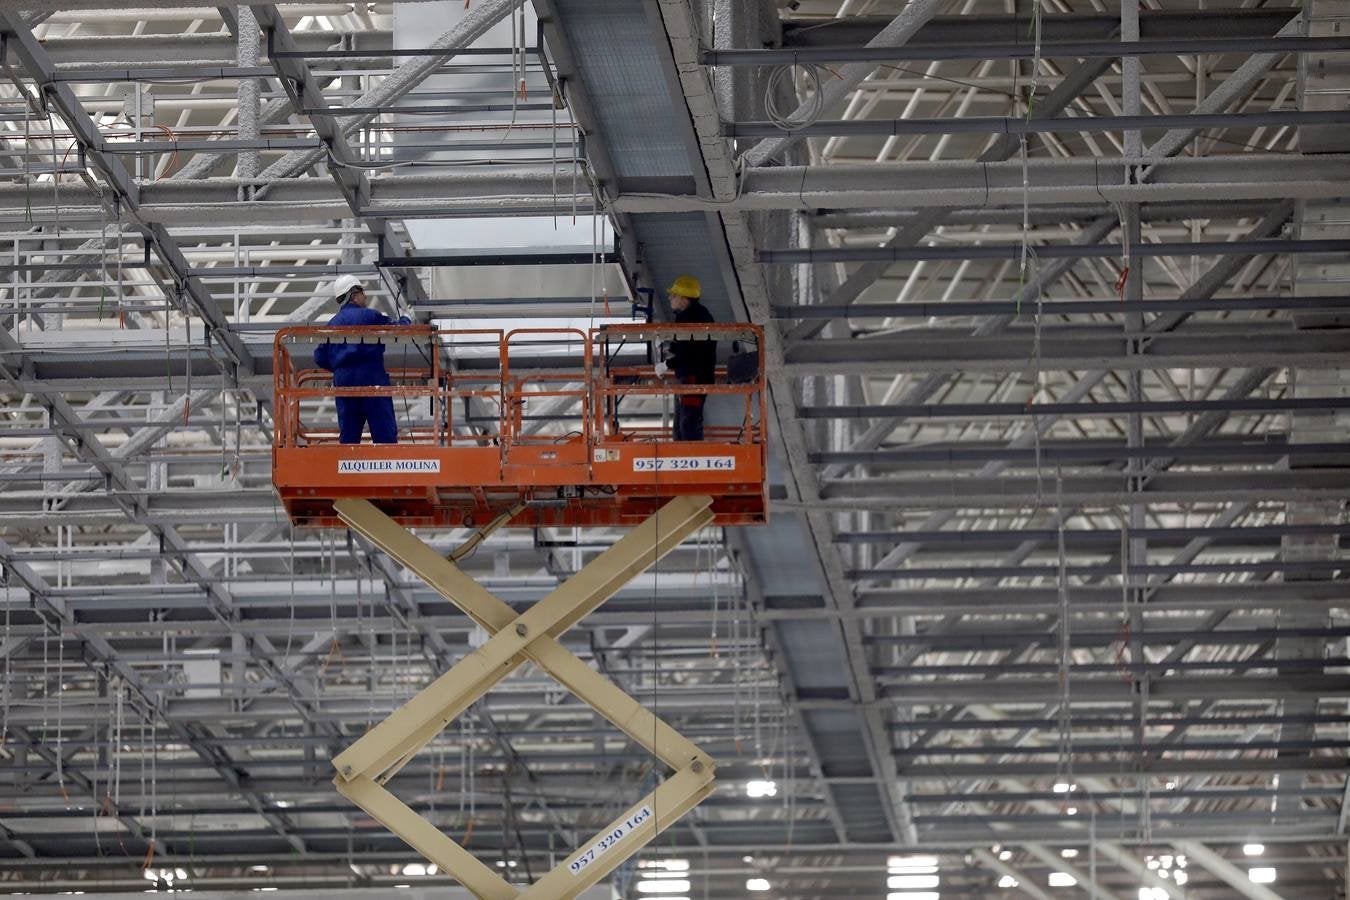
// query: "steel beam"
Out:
[302,88]
[1101,49]
[1007,125]
[1010,31]
[900,30]
[64,102]
[950,184]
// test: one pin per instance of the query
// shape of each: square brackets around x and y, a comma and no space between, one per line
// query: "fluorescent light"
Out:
[757,789]
[757,884]
[1253,849]
[1005,855]
[1007,881]
[914,895]
[258,869]
[668,865]
[1062,879]
[912,865]
[663,887]
[747,859]
[1068,853]
[1071,811]
[1152,893]
[1181,876]
[1061,787]
[416,870]
[1262,875]
[910,882]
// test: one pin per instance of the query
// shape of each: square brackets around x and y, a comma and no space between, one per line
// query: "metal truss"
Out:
[1116,469]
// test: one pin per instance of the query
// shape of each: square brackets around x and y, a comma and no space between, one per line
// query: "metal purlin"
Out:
[365,766]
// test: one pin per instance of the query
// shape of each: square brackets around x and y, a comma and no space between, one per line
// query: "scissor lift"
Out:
[471,446]
[443,477]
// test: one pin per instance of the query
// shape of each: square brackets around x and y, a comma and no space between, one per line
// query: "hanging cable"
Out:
[656,624]
[556,97]
[290,627]
[518,61]
[9,653]
[714,578]
[469,546]
[121,289]
[1064,766]
[807,112]
[102,255]
[60,706]
[56,175]
[1125,251]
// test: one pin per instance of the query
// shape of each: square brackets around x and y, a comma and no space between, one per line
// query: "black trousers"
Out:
[689,417]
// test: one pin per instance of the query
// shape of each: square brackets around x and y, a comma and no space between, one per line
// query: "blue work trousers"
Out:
[355,412]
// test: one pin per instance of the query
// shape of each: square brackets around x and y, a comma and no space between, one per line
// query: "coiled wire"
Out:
[808,111]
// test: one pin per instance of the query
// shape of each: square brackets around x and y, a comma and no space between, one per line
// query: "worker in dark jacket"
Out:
[356,364]
[693,361]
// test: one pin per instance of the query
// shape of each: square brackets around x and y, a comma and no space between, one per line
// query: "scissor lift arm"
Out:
[365,766]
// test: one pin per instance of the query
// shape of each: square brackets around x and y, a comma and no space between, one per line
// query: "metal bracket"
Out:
[365,766]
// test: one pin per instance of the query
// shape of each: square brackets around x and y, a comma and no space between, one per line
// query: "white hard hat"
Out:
[343,285]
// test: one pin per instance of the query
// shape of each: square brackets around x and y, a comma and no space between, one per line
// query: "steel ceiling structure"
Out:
[1054,581]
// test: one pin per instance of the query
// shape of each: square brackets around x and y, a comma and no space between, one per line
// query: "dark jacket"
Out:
[355,363]
[695,359]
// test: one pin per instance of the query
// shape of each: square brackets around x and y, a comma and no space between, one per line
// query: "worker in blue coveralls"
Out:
[356,364]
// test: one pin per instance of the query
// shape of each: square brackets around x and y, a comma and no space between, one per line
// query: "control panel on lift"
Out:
[551,427]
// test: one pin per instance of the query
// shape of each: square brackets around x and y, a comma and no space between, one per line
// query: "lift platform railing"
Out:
[462,387]
[619,381]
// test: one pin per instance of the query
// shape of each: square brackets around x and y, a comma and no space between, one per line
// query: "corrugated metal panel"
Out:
[613,46]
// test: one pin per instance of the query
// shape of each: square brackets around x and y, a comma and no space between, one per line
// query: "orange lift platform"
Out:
[524,427]
[547,427]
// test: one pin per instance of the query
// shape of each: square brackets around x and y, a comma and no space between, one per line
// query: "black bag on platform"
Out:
[742,365]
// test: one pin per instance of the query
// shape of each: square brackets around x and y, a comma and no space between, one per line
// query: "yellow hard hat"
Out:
[686,286]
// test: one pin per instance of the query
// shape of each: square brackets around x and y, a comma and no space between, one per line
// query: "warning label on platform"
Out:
[383,466]
[684,464]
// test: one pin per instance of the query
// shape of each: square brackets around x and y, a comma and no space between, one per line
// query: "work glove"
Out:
[661,369]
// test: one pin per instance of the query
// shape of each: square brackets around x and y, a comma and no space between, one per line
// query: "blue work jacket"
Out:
[355,364]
